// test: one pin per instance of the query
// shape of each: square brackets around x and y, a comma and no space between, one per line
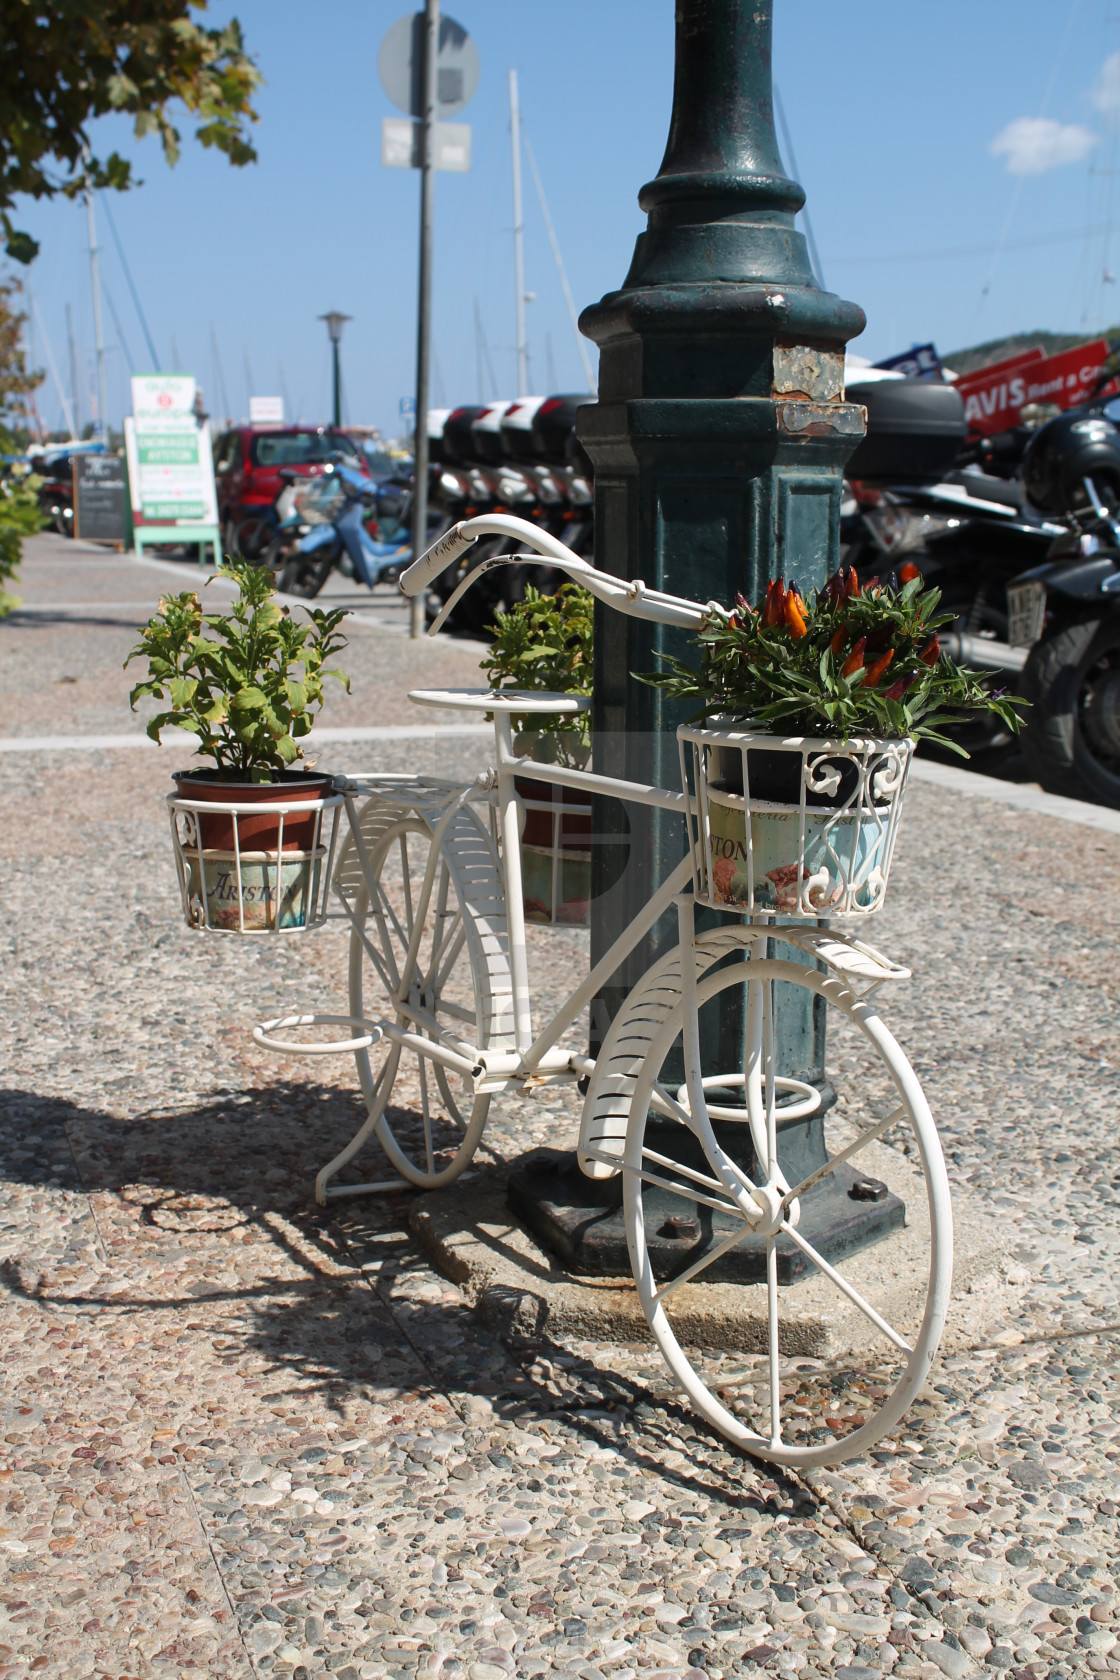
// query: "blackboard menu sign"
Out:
[100,498]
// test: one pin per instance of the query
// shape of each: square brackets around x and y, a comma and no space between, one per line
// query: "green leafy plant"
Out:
[848,661]
[543,644]
[248,683]
[19,517]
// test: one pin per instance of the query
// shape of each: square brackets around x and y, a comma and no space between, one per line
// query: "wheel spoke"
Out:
[664,1183]
[668,1106]
[426,1113]
[406,877]
[382,910]
[771,1162]
[701,1265]
[457,942]
[390,981]
[846,1288]
[437,905]
[773,1340]
[842,1155]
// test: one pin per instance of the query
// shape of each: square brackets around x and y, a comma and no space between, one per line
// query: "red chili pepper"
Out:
[795,616]
[837,642]
[774,612]
[854,661]
[853,583]
[899,687]
[833,590]
[874,672]
[909,572]
[931,653]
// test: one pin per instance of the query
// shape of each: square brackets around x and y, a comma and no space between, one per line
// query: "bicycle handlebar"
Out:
[436,559]
[633,598]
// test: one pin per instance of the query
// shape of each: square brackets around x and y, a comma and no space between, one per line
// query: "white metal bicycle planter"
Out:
[429,878]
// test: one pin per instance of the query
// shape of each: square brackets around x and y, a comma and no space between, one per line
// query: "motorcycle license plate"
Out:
[1026,611]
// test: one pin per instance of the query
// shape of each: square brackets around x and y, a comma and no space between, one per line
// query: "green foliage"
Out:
[19,517]
[543,644]
[784,668]
[248,683]
[67,62]
[16,379]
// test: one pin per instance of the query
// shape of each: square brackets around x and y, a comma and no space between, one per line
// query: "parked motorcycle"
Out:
[1065,613]
[968,531]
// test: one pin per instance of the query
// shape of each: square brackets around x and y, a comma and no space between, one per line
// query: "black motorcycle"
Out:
[1066,612]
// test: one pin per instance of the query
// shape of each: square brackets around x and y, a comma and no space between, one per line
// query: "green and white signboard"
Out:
[170,463]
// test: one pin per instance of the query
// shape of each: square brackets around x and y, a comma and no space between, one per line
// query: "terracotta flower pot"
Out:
[258,834]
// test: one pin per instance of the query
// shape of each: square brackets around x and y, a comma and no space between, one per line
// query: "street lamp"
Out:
[719,441]
[335,322]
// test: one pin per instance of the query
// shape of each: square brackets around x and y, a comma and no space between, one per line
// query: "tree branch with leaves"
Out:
[64,63]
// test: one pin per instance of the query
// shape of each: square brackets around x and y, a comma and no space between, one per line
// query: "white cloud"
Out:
[1104,94]
[1034,144]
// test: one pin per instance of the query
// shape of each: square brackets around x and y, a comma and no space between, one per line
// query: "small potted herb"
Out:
[543,644]
[820,701]
[248,683]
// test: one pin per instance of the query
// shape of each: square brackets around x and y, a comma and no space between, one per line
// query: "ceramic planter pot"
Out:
[258,893]
[556,853]
[256,833]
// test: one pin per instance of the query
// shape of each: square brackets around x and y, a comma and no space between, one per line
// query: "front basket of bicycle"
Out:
[253,868]
[792,826]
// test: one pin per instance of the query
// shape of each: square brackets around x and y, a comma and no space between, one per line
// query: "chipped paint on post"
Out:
[810,419]
[815,375]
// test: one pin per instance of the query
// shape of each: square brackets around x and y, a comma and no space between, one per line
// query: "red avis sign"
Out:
[995,396]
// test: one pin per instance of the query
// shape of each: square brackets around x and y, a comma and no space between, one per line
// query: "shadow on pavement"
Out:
[338,1302]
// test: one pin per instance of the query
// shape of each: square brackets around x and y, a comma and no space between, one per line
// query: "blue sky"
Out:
[943,146]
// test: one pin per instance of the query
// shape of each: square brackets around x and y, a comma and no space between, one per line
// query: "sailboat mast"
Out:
[518,238]
[98,339]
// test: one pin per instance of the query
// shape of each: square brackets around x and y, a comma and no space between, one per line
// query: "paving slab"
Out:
[242,1435]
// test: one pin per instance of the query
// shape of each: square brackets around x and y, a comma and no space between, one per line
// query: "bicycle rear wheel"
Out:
[768,1386]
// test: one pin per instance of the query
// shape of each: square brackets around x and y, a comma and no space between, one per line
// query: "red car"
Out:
[248,462]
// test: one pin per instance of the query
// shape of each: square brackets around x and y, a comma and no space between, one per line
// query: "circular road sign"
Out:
[400,66]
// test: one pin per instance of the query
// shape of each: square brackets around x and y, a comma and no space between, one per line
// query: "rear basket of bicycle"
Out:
[253,868]
[792,826]
[555,853]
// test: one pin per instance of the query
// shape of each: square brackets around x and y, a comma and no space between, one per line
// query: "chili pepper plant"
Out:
[845,661]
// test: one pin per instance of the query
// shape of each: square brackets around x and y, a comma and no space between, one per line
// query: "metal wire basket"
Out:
[792,826]
[250,888]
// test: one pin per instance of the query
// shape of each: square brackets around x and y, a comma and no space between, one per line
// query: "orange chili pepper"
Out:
[795,616]
[931,653]
[874,672]
[837,643]
[908,572]
[854,661]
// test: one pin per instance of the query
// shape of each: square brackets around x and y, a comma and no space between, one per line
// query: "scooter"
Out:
[329,528]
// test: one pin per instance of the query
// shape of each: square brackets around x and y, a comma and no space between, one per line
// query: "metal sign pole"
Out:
[424,327]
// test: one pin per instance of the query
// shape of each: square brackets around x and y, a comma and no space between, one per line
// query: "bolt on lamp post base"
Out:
[580,1220]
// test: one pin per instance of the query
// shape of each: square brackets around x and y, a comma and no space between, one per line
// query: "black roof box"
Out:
[915,429]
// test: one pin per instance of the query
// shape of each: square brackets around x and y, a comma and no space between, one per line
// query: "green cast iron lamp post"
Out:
[719,441]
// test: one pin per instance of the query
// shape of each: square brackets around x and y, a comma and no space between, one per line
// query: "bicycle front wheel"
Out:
[794,1213]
